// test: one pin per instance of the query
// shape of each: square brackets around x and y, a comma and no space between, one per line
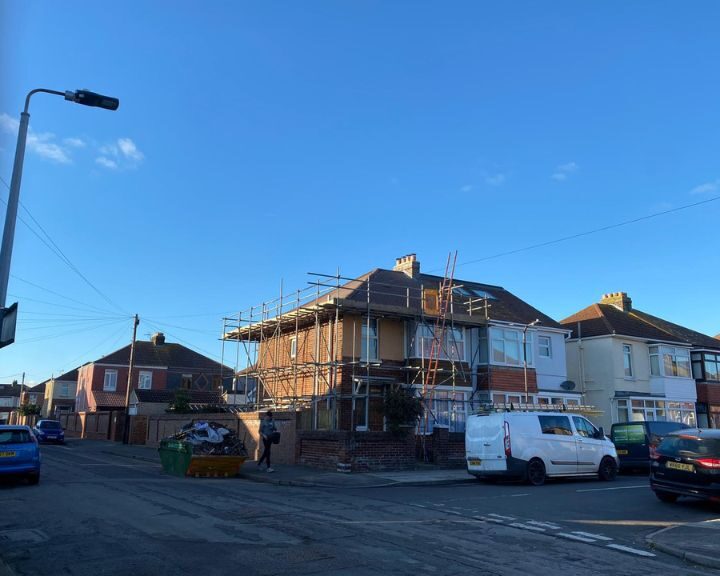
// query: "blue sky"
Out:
[256,142]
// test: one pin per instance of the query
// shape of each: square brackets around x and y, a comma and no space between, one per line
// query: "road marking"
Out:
[502,517]
[617,488]
[496,520]
[517,495]
[574,537]
[631,550]
[591,535]
[526,527]
[545,525]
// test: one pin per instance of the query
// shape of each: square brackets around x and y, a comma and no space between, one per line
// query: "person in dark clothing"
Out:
[267,427]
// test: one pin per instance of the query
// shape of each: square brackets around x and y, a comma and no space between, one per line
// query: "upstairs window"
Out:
[145,380]
[293,347]
[452,346]
[627,360]
[669,361]
[110,382]
[545,346]
[712,366]
[369,340]
[506,347]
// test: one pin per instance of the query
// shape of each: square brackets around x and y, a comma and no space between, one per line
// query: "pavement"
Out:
[697,542]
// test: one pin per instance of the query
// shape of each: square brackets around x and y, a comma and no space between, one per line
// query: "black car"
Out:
[687,463]
[635,440]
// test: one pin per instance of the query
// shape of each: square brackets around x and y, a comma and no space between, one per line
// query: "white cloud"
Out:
[75,142]
[43,144]
[466,188]
[495,179]
[106,162]
[563,171]
[123,153]
[129,150]
[706,188]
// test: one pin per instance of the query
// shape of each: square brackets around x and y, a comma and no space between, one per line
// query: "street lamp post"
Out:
[525,329]
[84,97]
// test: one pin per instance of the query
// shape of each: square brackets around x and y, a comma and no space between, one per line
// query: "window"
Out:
[638,409]
[558,425]
[712,366]
[64,390]
[584,428]
[452,347]
[360,405]
[506,346]
[675,361]
[681,412]
[145,380]
[110,383]
[447,408]
[369,343]
[545,346]
[293,347]
[627,360]
[6,402]
[186,381]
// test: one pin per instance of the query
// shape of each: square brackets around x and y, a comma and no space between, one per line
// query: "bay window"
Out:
[669,361]
[506,347]
[452,346]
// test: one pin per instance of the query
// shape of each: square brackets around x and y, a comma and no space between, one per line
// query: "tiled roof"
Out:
[390,288]
[167,396]
[108,399]
[168,354]
[37,388]
[70,376]
[10,390]
[606,319]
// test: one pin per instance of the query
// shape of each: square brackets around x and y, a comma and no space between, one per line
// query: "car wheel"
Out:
[536,472]
[33,479]
[608,469]
[668,497]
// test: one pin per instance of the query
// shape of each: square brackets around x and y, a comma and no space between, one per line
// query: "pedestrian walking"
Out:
[267,430]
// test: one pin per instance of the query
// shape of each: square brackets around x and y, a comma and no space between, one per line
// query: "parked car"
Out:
[49,431]
[687,463]
[635,440]
[19,453]
[537,445]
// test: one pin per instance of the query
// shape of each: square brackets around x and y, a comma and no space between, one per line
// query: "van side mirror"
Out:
[601,433]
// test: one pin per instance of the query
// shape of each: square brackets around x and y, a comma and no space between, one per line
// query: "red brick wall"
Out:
[362,451]
[442,447]
[708,393]
[507,379]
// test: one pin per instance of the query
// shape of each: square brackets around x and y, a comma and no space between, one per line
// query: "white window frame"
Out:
[145,380]
[370,339]
[361,396]
[660,351]
[452,348]
[628,356]
[293,347]
[502,334]
[544,343]
[110,380]
[64,390]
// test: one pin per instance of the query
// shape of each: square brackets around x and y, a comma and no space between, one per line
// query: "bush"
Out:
[29,410]
[402,409]
[181,403]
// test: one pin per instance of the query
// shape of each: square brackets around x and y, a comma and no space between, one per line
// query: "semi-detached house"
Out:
[333,357]
[635,366]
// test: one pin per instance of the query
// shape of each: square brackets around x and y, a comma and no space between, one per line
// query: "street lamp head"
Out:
[87,98]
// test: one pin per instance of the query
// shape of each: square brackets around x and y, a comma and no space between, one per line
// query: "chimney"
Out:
[158,338]
[408,264]
[620,300]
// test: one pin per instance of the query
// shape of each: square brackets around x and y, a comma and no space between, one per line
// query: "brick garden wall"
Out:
[442,447]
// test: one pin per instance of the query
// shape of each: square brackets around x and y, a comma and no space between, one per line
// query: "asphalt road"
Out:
[95,513]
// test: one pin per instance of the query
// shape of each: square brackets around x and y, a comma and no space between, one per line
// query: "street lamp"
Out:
[533,323]
[84,97]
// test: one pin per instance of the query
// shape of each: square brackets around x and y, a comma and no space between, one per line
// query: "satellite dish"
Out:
[568,385]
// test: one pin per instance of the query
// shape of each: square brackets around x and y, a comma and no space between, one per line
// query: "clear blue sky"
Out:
[258,141]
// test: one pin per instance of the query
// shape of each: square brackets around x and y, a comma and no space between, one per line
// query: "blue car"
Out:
[19,453]
[49,431]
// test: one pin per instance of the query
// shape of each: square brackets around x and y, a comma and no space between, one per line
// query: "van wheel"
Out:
[608,469]
[536,472]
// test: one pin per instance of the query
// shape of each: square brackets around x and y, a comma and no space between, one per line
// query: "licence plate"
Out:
[622,452]
[7,454]
[474,461]
[52,437]
[680,466]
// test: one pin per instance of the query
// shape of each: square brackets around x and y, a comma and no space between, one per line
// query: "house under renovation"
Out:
[331,351]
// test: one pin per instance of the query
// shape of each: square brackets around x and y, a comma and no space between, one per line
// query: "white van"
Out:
[536,445]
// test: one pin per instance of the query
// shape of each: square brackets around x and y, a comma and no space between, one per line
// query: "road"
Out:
[95,513]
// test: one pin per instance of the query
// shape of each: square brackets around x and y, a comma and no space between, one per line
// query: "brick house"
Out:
[158,365]
[9,400]
[60,394]
[34,395]
[636,366]
[333,356]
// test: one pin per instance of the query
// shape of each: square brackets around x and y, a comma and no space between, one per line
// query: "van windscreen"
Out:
[629,434]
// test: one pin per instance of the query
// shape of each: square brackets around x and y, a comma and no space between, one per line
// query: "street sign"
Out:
[8,321]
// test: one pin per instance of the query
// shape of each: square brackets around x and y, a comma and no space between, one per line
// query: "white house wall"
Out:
[551,372]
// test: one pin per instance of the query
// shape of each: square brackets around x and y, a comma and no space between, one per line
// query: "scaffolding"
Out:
[295,353]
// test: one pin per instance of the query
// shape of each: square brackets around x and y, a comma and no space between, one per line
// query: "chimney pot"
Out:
[408,264]
[158,339]
[620,300]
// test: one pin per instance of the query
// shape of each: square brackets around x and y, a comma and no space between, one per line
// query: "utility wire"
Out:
[63,296]
[58,305]
[60,254]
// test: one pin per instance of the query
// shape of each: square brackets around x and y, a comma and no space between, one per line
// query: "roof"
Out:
[168,354]
[10,390]
[167,396]
[606,319]
[395,292]
[71,376]
[37,388]
[108,399]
